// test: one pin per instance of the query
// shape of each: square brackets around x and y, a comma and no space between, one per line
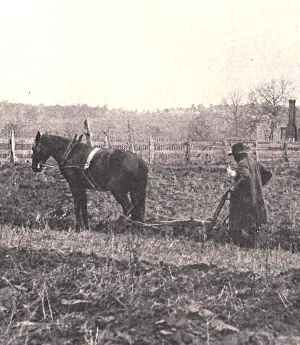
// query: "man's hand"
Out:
[232,189]
[231,172]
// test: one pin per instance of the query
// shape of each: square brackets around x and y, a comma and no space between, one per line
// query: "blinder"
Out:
[39,157]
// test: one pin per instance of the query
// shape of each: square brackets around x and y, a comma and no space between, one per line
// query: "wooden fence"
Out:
[276,152]
[157,151]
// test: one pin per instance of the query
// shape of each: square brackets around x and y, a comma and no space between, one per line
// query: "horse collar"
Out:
[90,157]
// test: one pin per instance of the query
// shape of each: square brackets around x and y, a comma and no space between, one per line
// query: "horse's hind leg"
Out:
[123,199]
[138,197]
[80,208]
[138,194]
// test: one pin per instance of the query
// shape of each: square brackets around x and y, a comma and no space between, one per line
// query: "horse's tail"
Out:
[138,193]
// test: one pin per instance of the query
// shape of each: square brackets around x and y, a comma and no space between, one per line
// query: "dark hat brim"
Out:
[239,152]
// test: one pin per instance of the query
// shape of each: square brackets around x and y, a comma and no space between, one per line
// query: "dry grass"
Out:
[154,249]
[91,288]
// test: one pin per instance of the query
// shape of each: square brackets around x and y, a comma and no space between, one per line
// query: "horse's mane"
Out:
[59,137]
[60,140]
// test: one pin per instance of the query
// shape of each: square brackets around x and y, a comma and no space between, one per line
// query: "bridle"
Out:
[63,164]
[66,155]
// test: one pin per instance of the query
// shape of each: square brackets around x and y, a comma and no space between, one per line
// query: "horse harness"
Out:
[85,169]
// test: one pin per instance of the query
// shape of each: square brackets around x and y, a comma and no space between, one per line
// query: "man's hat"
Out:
[238,148]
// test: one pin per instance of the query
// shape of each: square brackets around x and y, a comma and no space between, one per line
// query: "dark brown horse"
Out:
[120,172]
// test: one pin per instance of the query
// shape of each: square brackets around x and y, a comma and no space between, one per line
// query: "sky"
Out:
[145,54]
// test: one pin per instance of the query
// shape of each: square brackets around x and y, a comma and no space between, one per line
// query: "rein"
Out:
[62,163]
[80,167]
[47,165]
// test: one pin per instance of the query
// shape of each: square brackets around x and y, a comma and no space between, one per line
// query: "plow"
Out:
[198,229]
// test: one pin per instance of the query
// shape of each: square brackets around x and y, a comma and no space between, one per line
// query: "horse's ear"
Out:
[38,137]
[74,139]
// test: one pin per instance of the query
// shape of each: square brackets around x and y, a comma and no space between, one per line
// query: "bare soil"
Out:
[65,295]
[48,297]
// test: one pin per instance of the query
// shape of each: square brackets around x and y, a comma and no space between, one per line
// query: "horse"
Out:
[122,173]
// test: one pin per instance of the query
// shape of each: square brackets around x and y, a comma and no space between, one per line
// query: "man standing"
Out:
[247,208]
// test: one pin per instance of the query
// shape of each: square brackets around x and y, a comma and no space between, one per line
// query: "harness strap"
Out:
[89,179]
[87,164]
[90,157]
[68,151]
[84,168]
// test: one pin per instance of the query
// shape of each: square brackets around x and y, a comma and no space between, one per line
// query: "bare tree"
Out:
[233,105]
[200,129]
[268,99]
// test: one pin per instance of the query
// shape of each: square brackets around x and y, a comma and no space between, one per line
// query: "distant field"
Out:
[106,287]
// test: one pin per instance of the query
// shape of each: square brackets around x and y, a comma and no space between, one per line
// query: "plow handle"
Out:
[220,206]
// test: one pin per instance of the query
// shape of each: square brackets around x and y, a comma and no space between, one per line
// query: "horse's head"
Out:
[40,153]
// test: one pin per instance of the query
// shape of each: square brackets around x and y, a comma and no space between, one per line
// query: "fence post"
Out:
[130,139]
[107,144]
[151,150]
[226,148]
[285,152]
[87,133]
[256,151]
[12,147]
[187,154]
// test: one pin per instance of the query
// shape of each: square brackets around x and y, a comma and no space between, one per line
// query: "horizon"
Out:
[109,108]
[144,56]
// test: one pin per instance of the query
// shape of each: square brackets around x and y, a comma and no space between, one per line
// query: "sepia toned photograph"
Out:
[149,172]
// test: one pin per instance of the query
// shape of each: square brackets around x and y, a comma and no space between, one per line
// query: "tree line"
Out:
[237,115]
[240,112]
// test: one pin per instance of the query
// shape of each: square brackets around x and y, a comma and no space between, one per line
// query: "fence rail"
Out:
[158,151]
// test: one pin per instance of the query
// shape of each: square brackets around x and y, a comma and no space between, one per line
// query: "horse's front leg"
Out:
[77,209]
[79,197]
[84,211]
